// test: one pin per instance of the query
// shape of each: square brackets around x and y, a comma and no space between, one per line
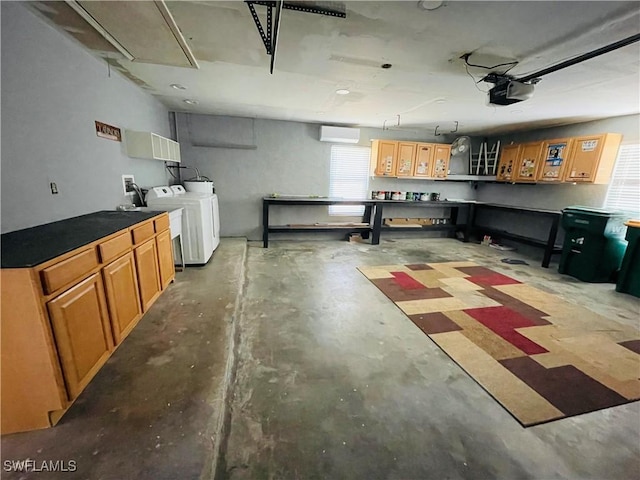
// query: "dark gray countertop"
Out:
[36,245]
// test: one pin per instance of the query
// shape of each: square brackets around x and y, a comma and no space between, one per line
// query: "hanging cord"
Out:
[467,64]
[475,82]
[466,56]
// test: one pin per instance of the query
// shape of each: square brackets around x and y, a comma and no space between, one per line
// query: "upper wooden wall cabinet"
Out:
[62,319]
[424,160]
[587,159]
[390,158]
[384,154]
[554,160]
[592,157]
[441,157]
[508,160]
[528,164]
[152,146]
[406,159]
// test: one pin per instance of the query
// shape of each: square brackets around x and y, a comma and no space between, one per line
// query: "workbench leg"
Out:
[453,218]
[366,218]
[471,219]
[377,225]
[265,224]
[551,241]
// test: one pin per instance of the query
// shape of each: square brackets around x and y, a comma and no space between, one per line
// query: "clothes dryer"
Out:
[200,222]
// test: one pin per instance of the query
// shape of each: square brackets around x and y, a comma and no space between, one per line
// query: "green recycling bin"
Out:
[593,245]
[629,277]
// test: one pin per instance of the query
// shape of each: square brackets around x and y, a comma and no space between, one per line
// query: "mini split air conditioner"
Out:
[339,134]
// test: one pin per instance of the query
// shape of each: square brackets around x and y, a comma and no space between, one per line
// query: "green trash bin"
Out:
[629,277]
[593,245]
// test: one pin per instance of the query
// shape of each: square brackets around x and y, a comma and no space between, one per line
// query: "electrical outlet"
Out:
[54,188]
[127,184]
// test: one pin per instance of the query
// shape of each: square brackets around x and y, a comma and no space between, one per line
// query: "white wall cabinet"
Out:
[151,145]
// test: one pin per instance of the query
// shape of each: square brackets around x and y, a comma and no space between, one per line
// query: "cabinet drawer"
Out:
[142,233]
[64,272]
[162,223]
[114,247]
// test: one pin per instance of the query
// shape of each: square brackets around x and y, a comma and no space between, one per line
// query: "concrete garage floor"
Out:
[327,379]
[155,410]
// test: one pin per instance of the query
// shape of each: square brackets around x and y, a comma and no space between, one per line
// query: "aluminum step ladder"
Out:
[485,162]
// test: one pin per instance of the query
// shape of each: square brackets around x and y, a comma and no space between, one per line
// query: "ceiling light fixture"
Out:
[430,5]
[190,102]
[177,86]
[342,91]
[386,66]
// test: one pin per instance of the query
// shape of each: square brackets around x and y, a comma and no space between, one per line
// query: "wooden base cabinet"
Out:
[121,286]
[32,382]
[148,274]
[165,259]
[61,320]
[80,322]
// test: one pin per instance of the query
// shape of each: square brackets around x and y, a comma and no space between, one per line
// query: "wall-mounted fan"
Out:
[461,145]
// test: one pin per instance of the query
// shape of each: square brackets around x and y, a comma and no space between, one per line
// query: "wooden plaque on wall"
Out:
[108,131]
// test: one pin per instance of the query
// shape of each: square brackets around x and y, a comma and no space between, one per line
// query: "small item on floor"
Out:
[497,246]
[354,238]
[486,240]
[514,261]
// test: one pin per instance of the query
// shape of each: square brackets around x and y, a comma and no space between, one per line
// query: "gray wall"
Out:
[288,159]
[52,92]
[560,196]
[553,197]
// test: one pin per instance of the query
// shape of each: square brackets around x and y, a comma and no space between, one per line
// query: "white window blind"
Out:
[624,188]
[349,177]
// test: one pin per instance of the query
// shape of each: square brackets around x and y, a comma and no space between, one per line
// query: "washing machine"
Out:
[200,219]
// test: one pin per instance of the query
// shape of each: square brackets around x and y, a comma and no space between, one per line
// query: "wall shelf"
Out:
[471,178]
[234,146]
[449,178]
[152,146]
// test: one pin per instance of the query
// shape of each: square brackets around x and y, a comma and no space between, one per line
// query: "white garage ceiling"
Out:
[427,85]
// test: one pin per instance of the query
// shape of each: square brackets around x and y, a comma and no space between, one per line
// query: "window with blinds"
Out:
[349,177]
[624,188]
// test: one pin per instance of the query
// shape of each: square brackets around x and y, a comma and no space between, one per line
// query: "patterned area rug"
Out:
[541,357]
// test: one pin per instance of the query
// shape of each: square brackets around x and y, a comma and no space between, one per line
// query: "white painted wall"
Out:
[288,159]
[52,92]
